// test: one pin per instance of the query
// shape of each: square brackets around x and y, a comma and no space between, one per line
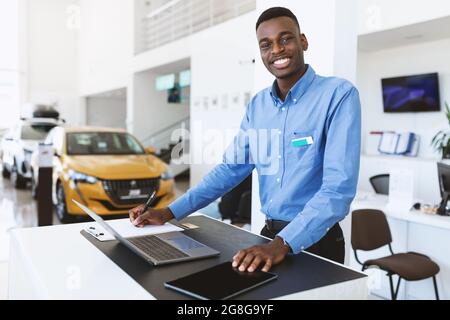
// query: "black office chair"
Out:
[236,204]
[380,183]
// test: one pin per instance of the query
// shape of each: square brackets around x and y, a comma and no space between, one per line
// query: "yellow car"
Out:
[108,170]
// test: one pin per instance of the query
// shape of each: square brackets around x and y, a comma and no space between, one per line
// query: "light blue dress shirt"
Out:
[308,166]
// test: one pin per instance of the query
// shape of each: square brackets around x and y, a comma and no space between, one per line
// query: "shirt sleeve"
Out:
[235,167]
[340,176]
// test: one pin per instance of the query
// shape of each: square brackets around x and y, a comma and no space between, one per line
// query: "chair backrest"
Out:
[380,183]
[370,230]
[229,204]
[245,207]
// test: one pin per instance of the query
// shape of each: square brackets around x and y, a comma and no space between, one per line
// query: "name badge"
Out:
[301,142]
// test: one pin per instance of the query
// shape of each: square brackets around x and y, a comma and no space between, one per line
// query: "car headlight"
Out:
[81,177]
[167,175]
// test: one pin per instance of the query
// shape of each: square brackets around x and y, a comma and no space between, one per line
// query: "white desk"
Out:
[83,272]
[377,201]
[411,231]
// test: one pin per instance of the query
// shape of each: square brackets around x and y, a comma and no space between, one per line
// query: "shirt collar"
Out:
[298,89]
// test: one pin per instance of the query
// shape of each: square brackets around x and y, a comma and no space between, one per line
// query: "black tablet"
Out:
[220,282]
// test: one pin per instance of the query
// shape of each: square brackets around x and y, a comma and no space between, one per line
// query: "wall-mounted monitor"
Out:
[417,93]
[165,82]
[185,78]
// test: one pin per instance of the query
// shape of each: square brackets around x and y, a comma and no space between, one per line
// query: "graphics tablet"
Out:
[220,282]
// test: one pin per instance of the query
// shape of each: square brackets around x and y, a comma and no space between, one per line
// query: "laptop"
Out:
[158,249]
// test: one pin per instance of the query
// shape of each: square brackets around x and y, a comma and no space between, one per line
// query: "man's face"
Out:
[281,45]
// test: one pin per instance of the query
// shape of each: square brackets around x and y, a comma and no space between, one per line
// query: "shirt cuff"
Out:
[180,208]
[298,243]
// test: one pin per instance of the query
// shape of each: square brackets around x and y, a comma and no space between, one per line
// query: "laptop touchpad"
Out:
[184,243]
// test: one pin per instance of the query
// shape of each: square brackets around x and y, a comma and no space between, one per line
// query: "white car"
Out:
[18,144]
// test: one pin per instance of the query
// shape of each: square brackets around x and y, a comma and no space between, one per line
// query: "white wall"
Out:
[164,55]
[52,57]
[106,112]
[11,66]
[222,68]
[9,34]
[406,60]
[148,110]
[377,15]
[106,45]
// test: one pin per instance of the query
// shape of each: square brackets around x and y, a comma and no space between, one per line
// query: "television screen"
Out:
[165,82]
[185,78]
[412,93]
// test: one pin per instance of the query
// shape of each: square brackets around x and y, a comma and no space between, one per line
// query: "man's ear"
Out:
[304,42]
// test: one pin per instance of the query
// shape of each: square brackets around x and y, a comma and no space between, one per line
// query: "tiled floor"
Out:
[17,210]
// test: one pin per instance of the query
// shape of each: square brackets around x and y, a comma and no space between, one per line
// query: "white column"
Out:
[331,29]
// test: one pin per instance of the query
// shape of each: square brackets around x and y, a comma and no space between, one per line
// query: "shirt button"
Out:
[278,180]
[303,248]
[328,229]
[271,201]
[295,100]
[279,157]
[279,132]
[283,109]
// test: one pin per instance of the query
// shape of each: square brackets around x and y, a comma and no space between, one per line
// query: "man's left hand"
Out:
[267,254]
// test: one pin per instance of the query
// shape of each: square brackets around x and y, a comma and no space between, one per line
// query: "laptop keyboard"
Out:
[157,249]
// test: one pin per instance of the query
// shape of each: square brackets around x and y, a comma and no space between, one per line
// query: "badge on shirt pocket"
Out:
[302,141]
[303,148]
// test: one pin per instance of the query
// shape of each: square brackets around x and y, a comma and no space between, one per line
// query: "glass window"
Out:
[36,131]
[102,143]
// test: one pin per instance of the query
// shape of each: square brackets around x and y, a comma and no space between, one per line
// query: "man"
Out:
[318,120]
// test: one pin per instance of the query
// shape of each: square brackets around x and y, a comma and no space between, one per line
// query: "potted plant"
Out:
[441,141]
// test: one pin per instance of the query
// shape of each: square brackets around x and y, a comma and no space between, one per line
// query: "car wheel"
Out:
[61,206]
[17,180]
[5,173]
[34,187]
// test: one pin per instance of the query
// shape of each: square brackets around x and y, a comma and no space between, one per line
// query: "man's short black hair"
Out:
[276,12]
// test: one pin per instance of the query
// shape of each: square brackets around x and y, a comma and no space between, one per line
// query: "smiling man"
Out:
[318,125]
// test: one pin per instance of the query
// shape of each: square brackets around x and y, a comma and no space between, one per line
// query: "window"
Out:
[102,143]
[35,131]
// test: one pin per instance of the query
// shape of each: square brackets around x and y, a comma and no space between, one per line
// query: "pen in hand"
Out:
[149,201]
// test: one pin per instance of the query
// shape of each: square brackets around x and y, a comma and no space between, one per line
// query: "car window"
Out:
[102,143]
[35,131]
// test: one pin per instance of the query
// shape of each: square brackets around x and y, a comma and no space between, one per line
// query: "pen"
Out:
[150,200]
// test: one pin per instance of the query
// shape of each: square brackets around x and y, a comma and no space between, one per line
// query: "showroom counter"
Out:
[58,262]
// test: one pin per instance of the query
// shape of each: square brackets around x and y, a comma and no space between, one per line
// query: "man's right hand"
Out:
[150,217]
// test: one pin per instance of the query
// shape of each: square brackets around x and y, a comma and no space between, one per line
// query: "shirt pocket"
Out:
[302,147]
